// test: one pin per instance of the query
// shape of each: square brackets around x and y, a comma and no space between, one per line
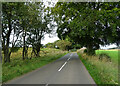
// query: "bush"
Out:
[102,56]
[103,73]
[63,44]
[85,51]
[91,52]
[73,50]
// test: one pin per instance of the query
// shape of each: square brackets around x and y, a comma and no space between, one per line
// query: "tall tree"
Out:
[15,19]
[88,24]
[41,25]
[9,23]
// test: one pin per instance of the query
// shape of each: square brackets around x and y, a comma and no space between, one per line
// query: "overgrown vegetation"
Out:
[19,67]
[102,71]
[112,54]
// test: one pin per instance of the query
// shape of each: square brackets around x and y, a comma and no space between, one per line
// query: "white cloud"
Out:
[108,46]
[50,3]
[48,39]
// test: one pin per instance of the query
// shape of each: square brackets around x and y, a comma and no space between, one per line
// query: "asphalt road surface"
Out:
[67,70]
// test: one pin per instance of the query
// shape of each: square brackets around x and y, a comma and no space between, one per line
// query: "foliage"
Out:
[89,24]
[102,56]
[85,51]
[63,44]
[103,72]
[73,50]
[26,23]
[15,20]
[50,45]
[39,28]
[9,20]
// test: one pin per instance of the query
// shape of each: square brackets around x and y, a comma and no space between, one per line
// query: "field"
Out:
[102,71]
[114,54]
[19,67]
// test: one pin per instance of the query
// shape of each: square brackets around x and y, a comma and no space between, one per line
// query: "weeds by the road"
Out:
[19,67]
[103,72]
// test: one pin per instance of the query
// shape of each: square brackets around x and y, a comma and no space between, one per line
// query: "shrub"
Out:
[85,51]
[73,50]
[102,56]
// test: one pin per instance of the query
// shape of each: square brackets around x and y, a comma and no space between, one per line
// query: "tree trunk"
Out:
[6,54]
[6,46]
[89,48]
[38,48]
[26,52]
[23,54]
[38,53]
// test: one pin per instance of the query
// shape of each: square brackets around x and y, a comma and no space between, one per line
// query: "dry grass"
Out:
[19,67]
[102,71]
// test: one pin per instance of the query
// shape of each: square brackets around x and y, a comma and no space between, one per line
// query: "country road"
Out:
[67,70]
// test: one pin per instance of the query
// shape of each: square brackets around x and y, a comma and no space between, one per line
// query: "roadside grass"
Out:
[112,53]
[19,67]
[103,72]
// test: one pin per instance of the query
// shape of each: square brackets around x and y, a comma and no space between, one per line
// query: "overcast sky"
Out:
[47,39]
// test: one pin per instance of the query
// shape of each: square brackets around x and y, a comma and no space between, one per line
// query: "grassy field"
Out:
[103,72]
[114,54]
[19,67]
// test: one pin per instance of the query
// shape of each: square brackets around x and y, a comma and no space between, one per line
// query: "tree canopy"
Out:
[26,23]
[89,24]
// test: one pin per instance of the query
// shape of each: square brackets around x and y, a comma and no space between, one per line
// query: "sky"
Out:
[48,39]
[108,46]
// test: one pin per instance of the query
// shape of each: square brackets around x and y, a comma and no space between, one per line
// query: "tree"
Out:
[26,19]
[88,24]
[26,23]
[50,45]
[10,22]
[40,25]
[15,22]
[63,44]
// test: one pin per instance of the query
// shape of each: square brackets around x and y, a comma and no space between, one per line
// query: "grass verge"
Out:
[19,67]
[101,71]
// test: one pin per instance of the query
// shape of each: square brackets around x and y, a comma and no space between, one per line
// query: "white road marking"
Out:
[71,54]
[69,57]
[46,85]
[62,66]
[65,63]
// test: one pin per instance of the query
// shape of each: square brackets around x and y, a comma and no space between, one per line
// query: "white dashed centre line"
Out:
[69,57]
[62,66]
[65,63]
